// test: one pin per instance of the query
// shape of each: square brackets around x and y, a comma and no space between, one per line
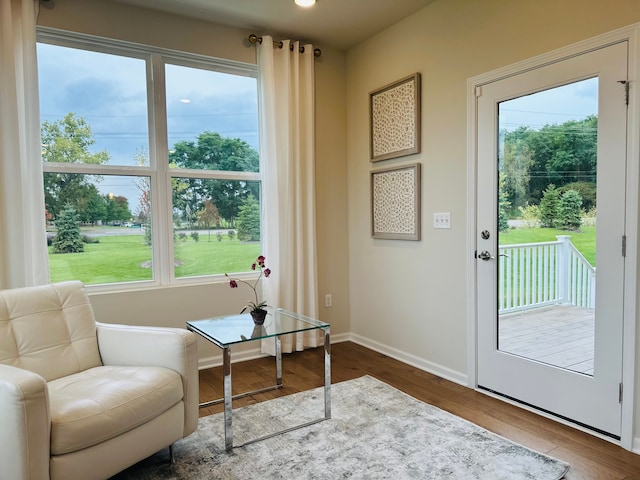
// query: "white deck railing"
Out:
[536,274]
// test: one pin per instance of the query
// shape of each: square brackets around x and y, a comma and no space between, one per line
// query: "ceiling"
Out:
[339,24]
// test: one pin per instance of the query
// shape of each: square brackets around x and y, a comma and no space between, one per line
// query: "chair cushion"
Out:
[48,329]
[100,403]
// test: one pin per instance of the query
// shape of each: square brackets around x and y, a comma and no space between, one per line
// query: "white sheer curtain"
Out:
[286,95]
[23,255]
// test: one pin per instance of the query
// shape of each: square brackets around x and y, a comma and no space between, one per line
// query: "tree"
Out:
[587,191]
[249,220]
[96,208]
[570,211]
[117,208]
[68,141]
[208,216]
[516,159]
[68,238]
[212,151]
[503,205]
[550,207]
[561,154]
[141,159]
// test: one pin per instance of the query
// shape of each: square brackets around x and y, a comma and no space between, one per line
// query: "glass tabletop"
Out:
[231,329]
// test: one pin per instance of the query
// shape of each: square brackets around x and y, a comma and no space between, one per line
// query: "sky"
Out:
[555,106]
[109,92]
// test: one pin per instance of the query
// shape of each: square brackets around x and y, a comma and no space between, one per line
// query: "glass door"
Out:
[550,270]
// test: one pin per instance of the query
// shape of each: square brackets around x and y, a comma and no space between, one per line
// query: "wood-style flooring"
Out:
[590,457]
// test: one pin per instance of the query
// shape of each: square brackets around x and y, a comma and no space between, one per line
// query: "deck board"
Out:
[560,335]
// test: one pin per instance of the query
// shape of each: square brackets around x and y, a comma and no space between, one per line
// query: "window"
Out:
[150,158]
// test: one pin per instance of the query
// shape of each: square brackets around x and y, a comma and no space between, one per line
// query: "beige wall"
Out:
[172,306]
[410,298]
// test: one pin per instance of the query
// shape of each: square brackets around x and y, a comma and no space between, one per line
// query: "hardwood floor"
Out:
[591,458]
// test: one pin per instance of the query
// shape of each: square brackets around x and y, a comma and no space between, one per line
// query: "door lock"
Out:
[486,256]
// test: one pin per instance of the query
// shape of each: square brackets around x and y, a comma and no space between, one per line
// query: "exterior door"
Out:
[550,237]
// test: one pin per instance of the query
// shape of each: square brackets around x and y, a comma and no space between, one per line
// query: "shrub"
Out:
[530,215]
[249,220]
[195,236]
[68,239]
[589,217]
[587,191]
[89,239]
[550,207]
[570,210]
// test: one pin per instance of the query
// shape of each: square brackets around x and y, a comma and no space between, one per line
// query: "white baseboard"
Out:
[635,448]
[252,354]
[216,361]
[434,368]
[422,364]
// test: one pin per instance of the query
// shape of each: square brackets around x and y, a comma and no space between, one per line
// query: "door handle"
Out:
[486,256]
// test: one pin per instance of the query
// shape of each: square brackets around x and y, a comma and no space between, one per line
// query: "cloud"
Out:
[110,93]
[557,105]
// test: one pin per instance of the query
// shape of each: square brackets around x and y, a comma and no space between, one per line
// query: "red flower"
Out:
[233,283]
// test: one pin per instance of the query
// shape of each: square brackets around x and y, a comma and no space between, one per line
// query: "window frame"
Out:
[158,171]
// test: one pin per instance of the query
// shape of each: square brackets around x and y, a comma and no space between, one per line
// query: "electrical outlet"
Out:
[442,220]
[328,300]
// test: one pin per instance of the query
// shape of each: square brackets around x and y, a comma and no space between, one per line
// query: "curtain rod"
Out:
[253,39]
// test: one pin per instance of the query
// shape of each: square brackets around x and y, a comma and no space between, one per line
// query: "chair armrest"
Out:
[174,348]
[26,424]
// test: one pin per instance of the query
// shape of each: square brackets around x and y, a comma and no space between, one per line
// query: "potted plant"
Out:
[257,307]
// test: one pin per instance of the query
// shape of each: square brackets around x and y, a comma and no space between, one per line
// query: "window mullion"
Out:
[162,211]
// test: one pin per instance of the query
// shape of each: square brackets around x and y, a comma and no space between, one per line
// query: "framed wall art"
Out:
[395,203]
[394,112]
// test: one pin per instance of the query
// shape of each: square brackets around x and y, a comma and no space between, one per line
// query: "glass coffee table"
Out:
[231,330]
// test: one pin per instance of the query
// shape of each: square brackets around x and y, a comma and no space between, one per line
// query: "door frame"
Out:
[632,35]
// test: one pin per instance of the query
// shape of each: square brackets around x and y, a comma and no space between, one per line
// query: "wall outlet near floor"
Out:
[442,220]
[328,300]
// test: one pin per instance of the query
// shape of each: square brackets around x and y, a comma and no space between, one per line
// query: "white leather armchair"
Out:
[84,400]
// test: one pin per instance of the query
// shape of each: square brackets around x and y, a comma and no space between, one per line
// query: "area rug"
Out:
[376,432]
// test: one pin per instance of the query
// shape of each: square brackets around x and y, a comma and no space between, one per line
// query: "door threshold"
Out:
[551,415]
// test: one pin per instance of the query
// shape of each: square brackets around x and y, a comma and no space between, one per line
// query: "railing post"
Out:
[592,290]
[562,268]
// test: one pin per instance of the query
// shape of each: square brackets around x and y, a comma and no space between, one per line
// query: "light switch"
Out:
[442,220]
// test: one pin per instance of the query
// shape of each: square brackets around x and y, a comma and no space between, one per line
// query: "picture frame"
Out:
[394,119]
[395,203]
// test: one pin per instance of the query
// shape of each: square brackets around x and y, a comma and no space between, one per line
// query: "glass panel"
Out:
[94,233]
[216,226]
[93,106]
[547,221]
[212,120]
[231,329]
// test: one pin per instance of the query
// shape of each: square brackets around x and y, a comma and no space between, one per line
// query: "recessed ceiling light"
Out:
[305,3]
[185,100]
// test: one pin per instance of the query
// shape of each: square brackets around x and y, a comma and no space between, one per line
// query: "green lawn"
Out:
[584,240]
[125,258]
